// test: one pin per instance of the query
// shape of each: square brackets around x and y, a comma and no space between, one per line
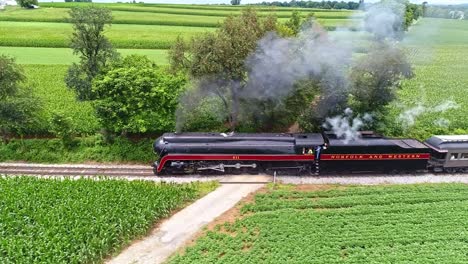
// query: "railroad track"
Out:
[76,170]
[142,172]
[131,172]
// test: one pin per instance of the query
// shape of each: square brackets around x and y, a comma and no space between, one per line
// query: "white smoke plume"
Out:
[346,126]
[442,122]
[409,116]
[385,20]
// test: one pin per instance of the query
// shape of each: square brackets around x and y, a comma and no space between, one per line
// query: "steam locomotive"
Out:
[305,154]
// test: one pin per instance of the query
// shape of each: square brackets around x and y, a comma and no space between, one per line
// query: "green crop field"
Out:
[57,35]
[143,18]
[81,221]
[182,10]
[380,224]
[438,49]
[31,55]
[47,82]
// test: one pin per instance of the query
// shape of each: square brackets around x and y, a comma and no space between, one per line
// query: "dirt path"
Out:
[178,230]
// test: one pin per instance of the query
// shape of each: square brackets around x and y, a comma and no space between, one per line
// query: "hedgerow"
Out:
[85,149]
[81,221]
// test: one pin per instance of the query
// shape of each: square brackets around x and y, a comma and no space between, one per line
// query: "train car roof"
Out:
[446,142]
[369,142]
[289,137]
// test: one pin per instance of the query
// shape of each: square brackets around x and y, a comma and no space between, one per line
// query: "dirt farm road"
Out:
[177,230]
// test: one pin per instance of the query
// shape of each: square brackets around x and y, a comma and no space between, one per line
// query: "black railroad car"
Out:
[372,153]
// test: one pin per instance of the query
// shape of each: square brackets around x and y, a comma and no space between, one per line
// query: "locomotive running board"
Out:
[221,167]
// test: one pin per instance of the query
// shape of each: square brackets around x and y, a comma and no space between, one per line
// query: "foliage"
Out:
[27,3]
[235,2]
[376,76]
[62,127]
[18,107]
[84,220]
[134,95]
[219,58]
[93,148]
[378,224]
[94,49]
[295,22]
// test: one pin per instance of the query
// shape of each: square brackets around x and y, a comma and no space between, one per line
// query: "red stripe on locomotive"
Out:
[271,157]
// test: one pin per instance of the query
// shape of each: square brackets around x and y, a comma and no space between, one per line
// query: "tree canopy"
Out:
[91,45]
[218,60]
[133,95]
[17,105]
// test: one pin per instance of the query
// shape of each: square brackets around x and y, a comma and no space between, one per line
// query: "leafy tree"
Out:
[27,3]
[218,59]
[376,77]
[295,22]
[17,106]
[61,126]
[94,49]
[136,96]
[235,2]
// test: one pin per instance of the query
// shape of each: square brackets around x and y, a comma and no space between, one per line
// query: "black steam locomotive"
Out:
[305,154]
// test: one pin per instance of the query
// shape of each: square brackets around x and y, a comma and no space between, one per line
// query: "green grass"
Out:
[379,224]
[88,149]
[438,49]
[48,85]
[57,35]
[82,221]
[31,55]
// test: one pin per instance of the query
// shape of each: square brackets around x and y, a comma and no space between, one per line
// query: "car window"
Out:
[464,156]
[453,156]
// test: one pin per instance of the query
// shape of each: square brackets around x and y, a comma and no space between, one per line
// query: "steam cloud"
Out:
[409,116]
[347,127]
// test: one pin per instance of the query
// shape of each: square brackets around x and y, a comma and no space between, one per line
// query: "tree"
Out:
[17,105]
[235,2]
[376,77]
[218,60]
[94,49]
[295,22]
[136,96]
[27,3]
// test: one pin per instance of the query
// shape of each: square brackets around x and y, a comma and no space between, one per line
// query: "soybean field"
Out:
[314,224]
[434,101]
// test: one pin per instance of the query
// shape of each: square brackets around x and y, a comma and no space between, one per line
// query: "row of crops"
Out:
[438,49]
[380,224]
[81,221]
